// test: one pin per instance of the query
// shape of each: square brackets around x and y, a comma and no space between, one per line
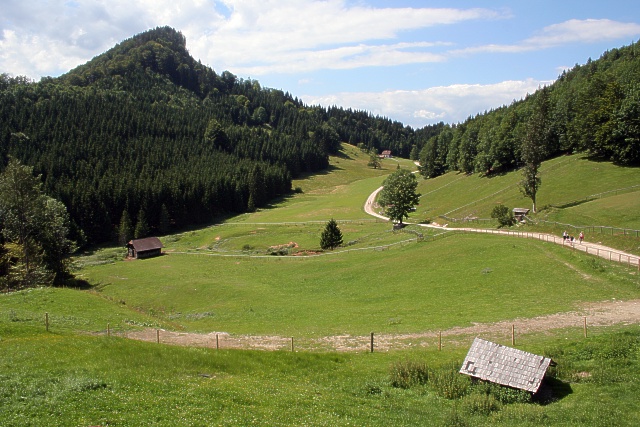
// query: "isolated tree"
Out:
[503,215]
[331,237]
[374,160]
[35,230]
[399,195]
[533,149]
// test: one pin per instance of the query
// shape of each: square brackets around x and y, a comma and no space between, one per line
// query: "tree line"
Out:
[145,132]
[592,108]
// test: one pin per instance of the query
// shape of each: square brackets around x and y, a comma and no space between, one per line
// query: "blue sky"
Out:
[418,62]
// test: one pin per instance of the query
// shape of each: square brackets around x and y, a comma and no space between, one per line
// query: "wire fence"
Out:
[420,237]
[591,249]
[602,229]
[592,321]
[591,197]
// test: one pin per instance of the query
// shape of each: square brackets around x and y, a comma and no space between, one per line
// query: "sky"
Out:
[417,62]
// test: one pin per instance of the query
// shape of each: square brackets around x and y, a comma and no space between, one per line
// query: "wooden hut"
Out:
[506,366]
[520,213]
[144,248]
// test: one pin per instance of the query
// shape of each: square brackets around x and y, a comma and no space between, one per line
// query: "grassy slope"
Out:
[357,292]
[66,377]
[564,179]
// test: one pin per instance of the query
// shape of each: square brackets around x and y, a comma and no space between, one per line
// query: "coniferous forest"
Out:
[147,139]
[147,135]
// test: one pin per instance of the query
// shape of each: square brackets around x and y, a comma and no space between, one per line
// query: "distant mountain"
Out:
[145,132]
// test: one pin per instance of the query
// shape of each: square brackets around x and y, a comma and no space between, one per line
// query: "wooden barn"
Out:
[506,366]
[144,248]
[520,213]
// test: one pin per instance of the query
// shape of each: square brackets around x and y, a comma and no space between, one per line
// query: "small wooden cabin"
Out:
[386,154]
[506,366]
[144,248]
[520,213]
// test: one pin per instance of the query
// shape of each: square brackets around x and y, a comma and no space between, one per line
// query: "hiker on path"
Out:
[565,235]
[581,237]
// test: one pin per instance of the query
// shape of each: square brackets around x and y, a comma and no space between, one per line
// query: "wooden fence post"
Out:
[217,343]
[513,335]
[158,336]
[585,326]
[440,341]
[108,329]
[46,321]
[292,344]
[371,342]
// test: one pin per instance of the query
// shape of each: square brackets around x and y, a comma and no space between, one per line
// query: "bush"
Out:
[505,395]
[503,215]
[449,383]
[408,373]
[480,404]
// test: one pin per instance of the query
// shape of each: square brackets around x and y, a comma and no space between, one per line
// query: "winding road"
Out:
[591,248]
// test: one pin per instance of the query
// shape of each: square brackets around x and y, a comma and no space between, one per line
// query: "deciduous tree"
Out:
[399,195]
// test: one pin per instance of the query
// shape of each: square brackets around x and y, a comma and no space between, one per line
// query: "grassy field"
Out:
[414,287]
[62,379]
[564,180]
[223,278]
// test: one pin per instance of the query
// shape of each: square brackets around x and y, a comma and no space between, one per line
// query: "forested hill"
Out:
[592,108]
[145,134]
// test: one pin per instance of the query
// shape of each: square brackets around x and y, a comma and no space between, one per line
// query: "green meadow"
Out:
[263,274]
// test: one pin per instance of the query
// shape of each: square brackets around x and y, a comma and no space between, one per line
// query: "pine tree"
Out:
[331,237]
[125,229]
[165,220]
[142,227]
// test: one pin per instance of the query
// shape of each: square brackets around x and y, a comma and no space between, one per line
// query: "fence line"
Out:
[593,228]
[418,238]
[602,229]
[597,196]
[599,251]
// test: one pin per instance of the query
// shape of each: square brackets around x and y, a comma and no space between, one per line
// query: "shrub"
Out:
[449,383]
[505,395]
[480,404]
[503,215]
[408,373]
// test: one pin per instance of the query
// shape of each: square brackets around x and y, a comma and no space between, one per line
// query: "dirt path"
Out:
[604,313]
[591,248]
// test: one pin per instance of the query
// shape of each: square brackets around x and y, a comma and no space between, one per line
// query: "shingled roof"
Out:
[146,244]
[505,365]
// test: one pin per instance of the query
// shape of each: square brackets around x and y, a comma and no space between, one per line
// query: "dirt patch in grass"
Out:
[598,314]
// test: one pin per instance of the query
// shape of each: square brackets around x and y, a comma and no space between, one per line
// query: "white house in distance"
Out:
[386,154]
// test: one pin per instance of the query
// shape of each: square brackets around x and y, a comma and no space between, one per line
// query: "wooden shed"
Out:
[144,248]
[506,366]
[520,213]
[386,154]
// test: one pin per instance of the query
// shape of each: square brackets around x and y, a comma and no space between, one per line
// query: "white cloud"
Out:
[286,36]
[583,31]
[568,32]
[249,36]
[450,104]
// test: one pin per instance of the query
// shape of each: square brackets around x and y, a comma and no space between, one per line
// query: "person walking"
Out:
[581,237]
